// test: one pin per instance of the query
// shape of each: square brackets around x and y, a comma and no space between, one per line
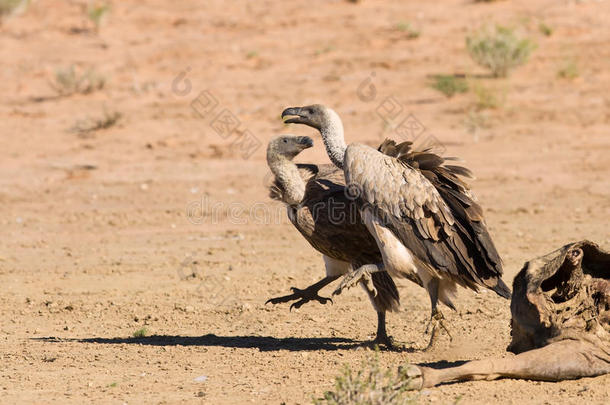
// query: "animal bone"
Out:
[560,323]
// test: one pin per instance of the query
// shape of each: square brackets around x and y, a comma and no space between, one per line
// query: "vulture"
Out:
[419,210]
[318,206]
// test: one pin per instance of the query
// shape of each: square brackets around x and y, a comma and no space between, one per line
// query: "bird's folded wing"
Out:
[397,189]
[433,225]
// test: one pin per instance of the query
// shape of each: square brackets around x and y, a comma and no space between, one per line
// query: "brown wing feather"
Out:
[332,225]
[387,297]
[331,222]
[430,208]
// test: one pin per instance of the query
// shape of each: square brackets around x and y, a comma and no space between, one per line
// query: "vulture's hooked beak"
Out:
[292,115]
[305,141]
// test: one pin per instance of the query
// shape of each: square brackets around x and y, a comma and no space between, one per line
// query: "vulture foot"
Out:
[387,342]
[362,274]
[436,320]
[303,297]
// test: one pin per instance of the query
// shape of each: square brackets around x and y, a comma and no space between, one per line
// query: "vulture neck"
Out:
[334,141]
[287,175]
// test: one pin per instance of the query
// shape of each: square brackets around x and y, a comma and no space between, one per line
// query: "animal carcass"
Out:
[560,323]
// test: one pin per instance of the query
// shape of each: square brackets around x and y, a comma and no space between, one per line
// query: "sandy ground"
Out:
[163,222]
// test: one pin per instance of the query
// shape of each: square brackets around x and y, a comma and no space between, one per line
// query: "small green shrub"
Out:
[449,85]
[9,7]
[86,126]
[476,120]
[545,29]
[488,98]
[407,28]
[326,49]
[97,11]
[68,81]
[569,70]
[499,49]
[369,386]
[140,333]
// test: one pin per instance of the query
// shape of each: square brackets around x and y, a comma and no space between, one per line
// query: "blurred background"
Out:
[133,196]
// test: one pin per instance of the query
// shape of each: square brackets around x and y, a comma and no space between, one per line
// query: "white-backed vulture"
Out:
[318,207]
[423,216]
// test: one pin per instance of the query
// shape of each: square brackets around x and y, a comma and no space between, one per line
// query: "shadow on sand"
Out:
[262,343]
[439,365]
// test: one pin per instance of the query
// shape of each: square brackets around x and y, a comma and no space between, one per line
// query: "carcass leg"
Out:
[562,360]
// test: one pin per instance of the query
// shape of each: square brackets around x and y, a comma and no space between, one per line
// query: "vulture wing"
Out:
[330,221]
[429,209]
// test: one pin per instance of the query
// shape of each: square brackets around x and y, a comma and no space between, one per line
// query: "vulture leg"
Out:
[304,296]
[384,299]
[361,274]
[382,337]
[436,316]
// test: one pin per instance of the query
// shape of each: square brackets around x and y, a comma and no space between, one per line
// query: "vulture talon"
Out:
[387,342]
[303,297]
[362,274]
[345,244]
[437,319]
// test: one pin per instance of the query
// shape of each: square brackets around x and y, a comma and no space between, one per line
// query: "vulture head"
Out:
[327,122]
[288,145]
[315,115]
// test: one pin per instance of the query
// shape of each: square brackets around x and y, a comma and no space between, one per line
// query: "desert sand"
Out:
[162,220]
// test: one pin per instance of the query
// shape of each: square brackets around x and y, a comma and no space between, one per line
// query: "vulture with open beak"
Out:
[420,212]
[318,206]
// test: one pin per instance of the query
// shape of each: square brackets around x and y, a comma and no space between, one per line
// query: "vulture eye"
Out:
[285,141]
